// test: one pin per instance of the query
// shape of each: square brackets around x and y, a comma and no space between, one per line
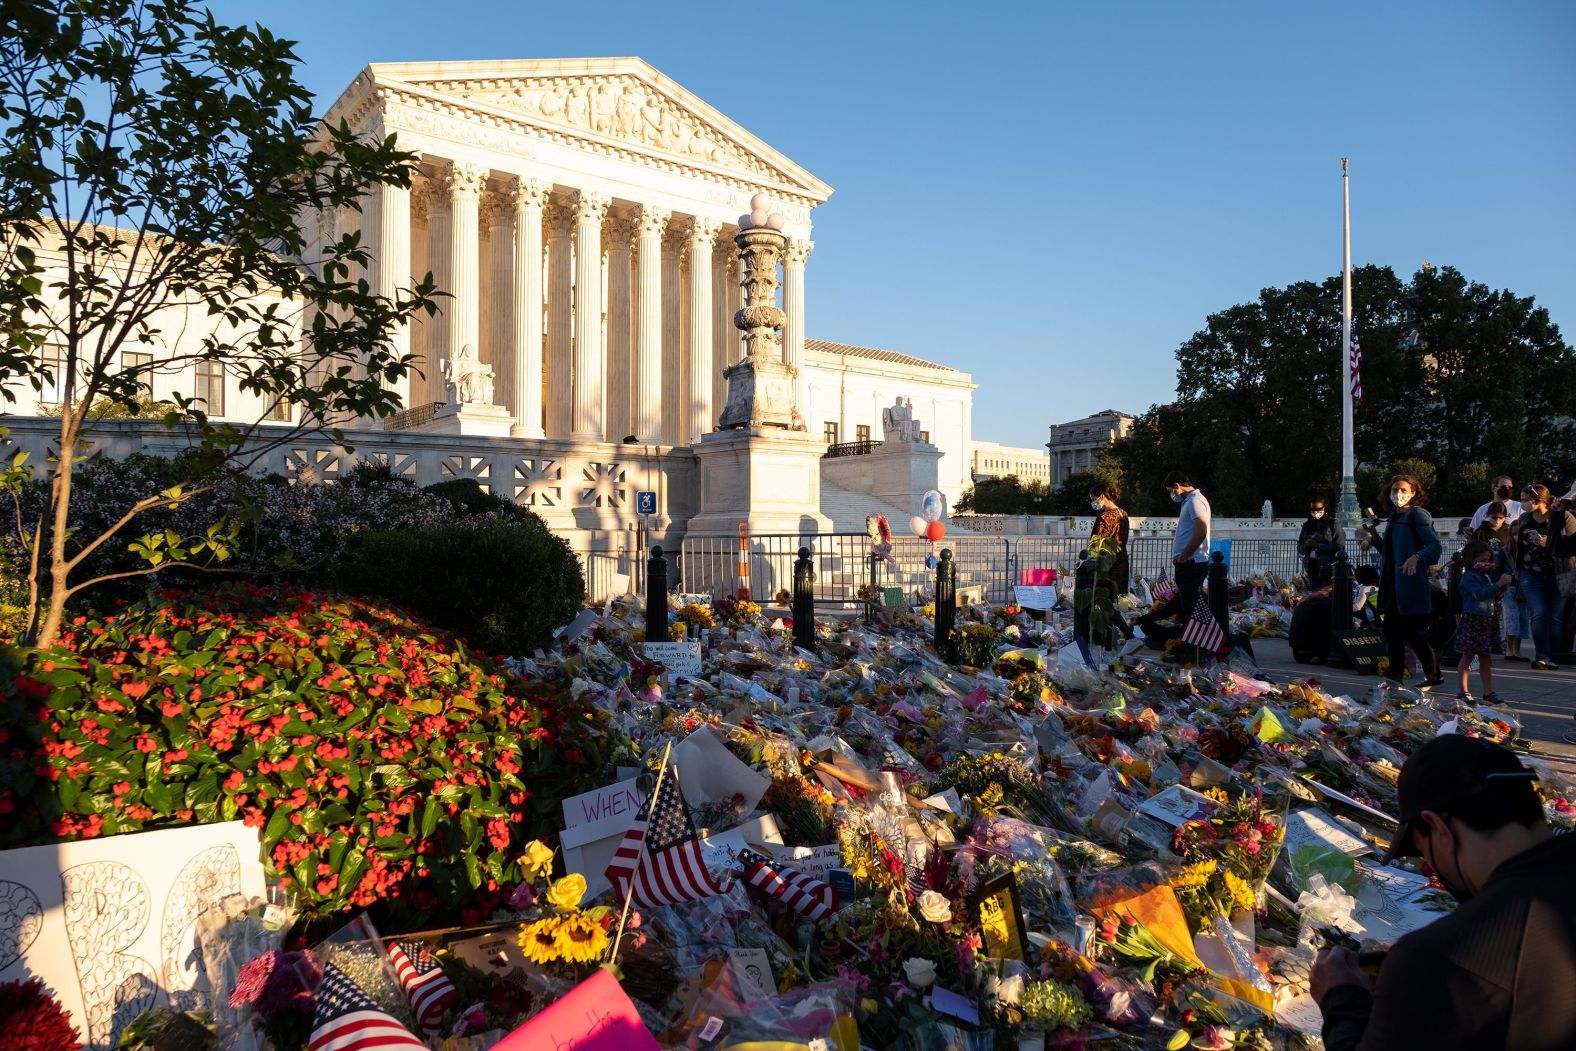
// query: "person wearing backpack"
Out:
[1408,547]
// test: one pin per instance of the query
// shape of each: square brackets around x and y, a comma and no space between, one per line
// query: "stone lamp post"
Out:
[762,388]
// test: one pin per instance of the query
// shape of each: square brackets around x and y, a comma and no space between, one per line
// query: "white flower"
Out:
[921,974]
[935,907]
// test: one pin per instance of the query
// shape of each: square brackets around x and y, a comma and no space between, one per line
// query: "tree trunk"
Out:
[58,511]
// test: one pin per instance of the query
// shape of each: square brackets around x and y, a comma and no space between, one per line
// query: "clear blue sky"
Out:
[1053,196]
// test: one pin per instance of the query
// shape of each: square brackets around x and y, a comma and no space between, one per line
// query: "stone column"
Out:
[420,266]
[721,321]
[619,233]
[648,352]
[560,224]
[590,210]
[499,212]
[391,267]
[465,185]
[794,257]
[698,416]
[529,198]
[672,352]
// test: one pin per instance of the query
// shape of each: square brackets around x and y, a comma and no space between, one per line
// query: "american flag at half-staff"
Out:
[660,858]
[347,1019]
[811,898]
[426,986]
[1203,630]
[1355,365]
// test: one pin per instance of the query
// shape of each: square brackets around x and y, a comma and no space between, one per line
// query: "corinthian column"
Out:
[697,403]
[721,321]
[391,266]
[794,256]
[439,252]
[672,352]
[465,186]
[498,211]
[529,197]
[619,233]
[648,351]
[560,224]
[590,210]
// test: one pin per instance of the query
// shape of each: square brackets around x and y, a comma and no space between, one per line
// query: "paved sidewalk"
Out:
[1544,701]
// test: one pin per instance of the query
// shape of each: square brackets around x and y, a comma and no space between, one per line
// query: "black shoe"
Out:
[1544,666]
[1430,682]
[1518,658]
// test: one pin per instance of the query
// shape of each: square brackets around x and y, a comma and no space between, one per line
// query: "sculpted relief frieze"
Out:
[620,108]
[453,129]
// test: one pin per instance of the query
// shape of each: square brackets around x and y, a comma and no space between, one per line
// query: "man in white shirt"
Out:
[1503,490]
[1190,546]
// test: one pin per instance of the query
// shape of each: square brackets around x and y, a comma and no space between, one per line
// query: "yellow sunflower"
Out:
[581,939]
[539,941]
[1241,893]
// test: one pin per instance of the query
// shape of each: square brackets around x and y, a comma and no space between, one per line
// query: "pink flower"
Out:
[967,948]
[524,896]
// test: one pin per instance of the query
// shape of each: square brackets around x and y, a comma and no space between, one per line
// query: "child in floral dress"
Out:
[1475,629]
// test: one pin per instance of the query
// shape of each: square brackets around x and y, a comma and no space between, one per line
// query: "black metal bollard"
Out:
[656,597]
[804,601]
[1219,593]
[1340,606]
[946,604]
[870,602]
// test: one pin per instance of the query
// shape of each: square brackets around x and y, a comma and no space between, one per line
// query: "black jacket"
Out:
[1499,972]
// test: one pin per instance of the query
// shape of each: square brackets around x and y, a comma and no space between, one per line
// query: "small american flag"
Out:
[1203,630]
[426,986]
[1163,590]
[1355,364]
[661,853]
[806,895]
[347,1019]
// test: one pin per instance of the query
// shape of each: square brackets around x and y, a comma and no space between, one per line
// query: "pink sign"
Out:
[595,1015]
[1036,577]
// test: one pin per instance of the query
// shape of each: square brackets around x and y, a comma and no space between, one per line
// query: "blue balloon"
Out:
[931,562]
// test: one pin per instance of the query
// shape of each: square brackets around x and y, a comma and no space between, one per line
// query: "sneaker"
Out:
[1465,698]
[1491,697]
[1430,682]
[1541,665]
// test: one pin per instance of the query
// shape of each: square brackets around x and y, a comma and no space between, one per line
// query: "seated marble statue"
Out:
[468,379]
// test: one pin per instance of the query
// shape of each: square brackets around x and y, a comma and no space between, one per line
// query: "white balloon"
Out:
[933,506]
[917,525]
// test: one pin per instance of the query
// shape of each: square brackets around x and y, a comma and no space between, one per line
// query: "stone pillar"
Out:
[672,352]
[721,322]
[620,422]
[391,267]
[529,198]
[465,185]
[499,344]
[794,257]
[560,223]
[648,351]
[698,416]
[590,210]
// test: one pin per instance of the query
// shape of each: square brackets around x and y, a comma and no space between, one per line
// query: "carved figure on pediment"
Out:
[683,135]
[602,104]
[467,380]
[654,122]
[577,110]
[551,103]
[626,113]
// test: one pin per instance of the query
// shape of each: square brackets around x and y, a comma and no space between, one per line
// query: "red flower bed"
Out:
[380,759]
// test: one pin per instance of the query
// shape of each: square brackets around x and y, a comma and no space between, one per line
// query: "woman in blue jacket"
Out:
[1409,546]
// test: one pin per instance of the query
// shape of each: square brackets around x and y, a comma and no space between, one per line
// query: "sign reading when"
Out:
[1362,648]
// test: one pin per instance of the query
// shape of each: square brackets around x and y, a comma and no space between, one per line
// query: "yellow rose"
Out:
[565,893]
[537,860]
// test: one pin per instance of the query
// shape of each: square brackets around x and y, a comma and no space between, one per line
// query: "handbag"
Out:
[1566,583]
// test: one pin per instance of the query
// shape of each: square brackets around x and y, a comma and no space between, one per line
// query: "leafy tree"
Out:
[1071,498]
[1005,496]
[155,165]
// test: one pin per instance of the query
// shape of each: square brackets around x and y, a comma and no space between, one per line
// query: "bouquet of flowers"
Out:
[1228,855]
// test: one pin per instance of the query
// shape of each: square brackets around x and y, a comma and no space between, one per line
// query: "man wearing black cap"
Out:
[1500,971]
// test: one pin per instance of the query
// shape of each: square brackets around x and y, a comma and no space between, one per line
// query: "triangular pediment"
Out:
[618,101]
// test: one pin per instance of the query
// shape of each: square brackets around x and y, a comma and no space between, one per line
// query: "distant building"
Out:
[990,460]
[1077,445]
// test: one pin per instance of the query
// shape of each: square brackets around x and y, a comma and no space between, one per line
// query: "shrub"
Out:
[379,759]
[502,585]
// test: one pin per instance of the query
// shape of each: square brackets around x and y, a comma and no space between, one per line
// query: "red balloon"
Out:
[935,531]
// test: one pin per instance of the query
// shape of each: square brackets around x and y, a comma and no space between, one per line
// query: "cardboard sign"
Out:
[1035,596]
[596,1015]
[1000,917]
[681,659]
[1362,648]
[817,862]
[594,824]
[114,925]
[754,968]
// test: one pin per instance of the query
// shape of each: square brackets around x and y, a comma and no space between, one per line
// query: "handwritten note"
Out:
[681,659]
[596,1015]
[594,823]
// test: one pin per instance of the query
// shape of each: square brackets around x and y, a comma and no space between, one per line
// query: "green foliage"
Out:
[155,166]
[1071,498]
[975,645]
[1005,496]
[1467,380]
[502,585]
[380,759]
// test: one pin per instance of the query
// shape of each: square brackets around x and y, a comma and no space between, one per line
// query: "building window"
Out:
[924,436]
[210,387]
[54,389]
[280,411]
[141,363]
[862,433]
[829,432]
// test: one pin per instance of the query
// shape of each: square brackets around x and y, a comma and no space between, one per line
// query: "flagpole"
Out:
[629,894]
[1346,510]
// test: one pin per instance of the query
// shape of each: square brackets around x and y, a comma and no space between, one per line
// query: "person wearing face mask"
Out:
[1545,549]
[1475,634]
[1409,546]
[1503,489]
[1321,537]
[1110,522]
[1512,623]
[1498,972]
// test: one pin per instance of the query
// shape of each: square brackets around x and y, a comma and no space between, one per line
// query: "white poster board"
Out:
[111,924]
[682,659]
[594,826]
